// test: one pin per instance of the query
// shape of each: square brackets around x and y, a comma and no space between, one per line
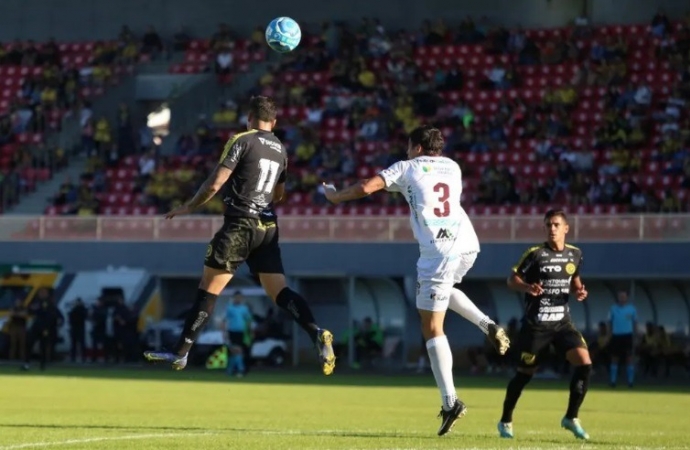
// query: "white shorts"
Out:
[436,277]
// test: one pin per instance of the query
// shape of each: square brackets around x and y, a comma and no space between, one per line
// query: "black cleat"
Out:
[448,418]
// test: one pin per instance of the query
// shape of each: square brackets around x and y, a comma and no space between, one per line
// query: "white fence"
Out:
[583,228]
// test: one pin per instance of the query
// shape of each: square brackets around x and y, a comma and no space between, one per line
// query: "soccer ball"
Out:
[283,34]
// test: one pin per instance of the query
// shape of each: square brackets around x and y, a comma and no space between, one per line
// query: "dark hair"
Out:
[262,109]
[430,138]
[550,214]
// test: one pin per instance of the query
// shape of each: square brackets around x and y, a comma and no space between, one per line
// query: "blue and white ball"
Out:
[283,34]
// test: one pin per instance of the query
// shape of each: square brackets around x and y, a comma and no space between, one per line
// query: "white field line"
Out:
[129,437]
[345,434]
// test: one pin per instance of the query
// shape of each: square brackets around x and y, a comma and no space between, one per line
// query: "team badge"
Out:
[570,268]
[209,250]
[528,358]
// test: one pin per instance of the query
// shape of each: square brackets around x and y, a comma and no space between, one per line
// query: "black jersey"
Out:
[554,270]
[258,161]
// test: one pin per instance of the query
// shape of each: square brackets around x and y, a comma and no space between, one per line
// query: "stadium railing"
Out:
[584,228]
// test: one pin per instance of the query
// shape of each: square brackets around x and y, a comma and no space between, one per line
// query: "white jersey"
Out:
[432,186]
[469,242]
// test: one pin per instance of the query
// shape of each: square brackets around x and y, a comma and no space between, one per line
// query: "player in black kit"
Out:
[547,274]
[251,177]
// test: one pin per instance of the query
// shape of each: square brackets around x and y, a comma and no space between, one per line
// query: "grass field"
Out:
[155,409]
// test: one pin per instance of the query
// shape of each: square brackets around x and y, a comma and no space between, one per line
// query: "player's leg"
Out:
[294,304]
[460,303]
[615,359]
[432,303]
[228,249]
[630,360]
[236,351]
[266,261]
[213,281]
[577,354]
[530,345]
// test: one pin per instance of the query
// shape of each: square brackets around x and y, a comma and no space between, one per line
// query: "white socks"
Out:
[441,359]
[461,304]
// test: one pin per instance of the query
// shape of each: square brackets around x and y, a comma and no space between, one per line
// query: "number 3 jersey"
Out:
[258,161]
[554,270]
[432,186]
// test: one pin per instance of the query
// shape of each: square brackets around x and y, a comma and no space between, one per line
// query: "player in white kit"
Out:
[448,247]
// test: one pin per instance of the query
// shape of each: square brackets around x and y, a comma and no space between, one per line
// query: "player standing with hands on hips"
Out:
[448,246]
[546,274]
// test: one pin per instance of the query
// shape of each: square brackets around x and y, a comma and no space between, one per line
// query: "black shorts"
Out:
[534,340]
[244,239]
[236,338]
[621,345]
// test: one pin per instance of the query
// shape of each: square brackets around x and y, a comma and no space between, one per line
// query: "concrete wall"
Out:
[99,19]
[602,261]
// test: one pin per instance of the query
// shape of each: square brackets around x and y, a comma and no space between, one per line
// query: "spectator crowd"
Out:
[378,89]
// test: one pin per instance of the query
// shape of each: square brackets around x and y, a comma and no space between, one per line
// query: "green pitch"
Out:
[152,409]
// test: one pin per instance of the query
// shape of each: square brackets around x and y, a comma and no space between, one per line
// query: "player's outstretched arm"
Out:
[354,192]
[211,186]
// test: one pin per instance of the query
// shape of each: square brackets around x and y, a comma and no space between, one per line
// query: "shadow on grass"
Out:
[344,377]
[202,431]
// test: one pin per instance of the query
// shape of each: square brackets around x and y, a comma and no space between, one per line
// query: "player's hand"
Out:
[581,293]
[329,192]
[179,211]
[535,289]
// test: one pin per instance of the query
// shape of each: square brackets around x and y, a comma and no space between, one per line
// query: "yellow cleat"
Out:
[324,342]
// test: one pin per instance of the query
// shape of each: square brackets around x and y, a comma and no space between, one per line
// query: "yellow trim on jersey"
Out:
[572,247]
[231,142]
[525,255]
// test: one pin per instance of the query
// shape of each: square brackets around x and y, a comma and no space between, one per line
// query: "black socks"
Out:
[298,308]
[578,389]
[515,387]
[196,319]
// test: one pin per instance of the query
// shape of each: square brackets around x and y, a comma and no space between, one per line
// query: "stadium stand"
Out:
[591,117]
[41,84]
[224,54]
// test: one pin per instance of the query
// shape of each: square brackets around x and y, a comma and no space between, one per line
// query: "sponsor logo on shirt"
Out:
[272,144]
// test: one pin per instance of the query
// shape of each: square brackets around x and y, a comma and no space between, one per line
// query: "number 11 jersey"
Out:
[432,186]
[258,161]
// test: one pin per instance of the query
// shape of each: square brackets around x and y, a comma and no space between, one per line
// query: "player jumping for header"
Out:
[251,173]
[448,246]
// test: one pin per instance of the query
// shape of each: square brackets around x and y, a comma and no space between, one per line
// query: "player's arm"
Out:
[355,191]
[516,280]
[279,193]
[388,179]
[232,153]
[211,186]
[279,190]
[577,285]
[517,283]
